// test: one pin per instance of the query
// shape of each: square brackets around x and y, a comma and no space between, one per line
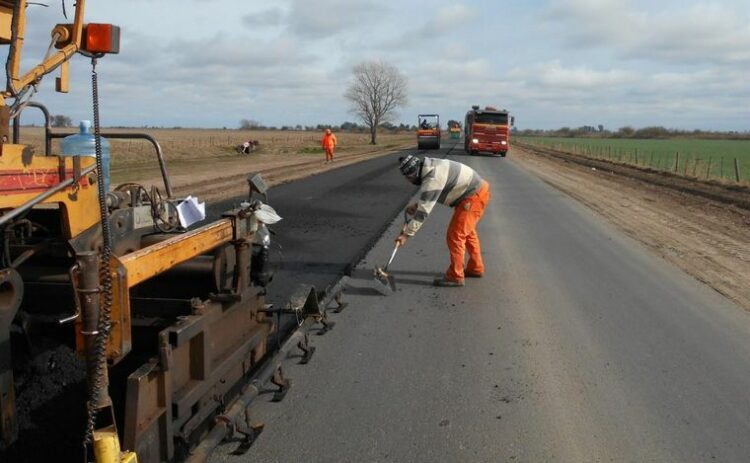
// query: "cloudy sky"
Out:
[553,63]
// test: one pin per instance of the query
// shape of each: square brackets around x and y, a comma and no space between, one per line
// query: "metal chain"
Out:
[105,276]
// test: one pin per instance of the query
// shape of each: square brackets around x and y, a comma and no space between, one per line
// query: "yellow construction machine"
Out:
[123,335]
[428,131]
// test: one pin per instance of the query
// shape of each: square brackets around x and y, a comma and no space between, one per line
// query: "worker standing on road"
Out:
[460,187]
[329,144]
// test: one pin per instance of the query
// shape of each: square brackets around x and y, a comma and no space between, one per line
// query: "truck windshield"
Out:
[492,118]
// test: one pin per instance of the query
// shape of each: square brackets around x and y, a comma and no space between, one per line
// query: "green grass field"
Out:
[713,159]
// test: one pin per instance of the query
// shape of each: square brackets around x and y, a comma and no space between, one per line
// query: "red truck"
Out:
[487,130]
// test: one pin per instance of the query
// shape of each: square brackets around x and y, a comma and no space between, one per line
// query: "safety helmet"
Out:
[409,165]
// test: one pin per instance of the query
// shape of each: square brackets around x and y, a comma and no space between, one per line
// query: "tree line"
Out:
[345,126]
[652,132]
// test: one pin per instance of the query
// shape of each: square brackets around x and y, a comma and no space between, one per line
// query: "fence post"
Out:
[635,155]
[736,170]
[721,169]
[708,169]
[676,160]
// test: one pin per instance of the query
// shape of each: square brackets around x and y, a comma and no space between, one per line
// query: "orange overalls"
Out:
[462,235]
[329,143]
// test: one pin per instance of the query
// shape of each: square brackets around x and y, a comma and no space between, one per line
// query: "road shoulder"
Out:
[709,241]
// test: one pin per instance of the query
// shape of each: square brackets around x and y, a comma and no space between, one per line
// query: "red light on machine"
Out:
[101,38]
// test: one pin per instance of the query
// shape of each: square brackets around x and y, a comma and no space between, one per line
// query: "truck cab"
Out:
[487,130]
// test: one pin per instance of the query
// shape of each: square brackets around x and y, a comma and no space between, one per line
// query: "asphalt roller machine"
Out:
[165,329]
[428,131]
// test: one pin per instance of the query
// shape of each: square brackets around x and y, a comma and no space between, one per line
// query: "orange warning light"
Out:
[101,38]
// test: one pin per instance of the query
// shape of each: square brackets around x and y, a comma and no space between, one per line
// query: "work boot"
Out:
[473,274]
[444,282]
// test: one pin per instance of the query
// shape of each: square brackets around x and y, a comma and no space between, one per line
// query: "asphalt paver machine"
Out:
[123,335]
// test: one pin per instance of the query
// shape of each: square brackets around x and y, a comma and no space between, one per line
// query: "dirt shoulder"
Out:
[214,179]
[706,238]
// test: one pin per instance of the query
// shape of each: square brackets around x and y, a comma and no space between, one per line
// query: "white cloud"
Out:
[325,18]
[227,51]
[696,33]
[673,62]
[452,16]
[555,76]
[438,26]
[270,17]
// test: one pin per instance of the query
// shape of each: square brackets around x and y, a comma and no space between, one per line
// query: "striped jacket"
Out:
[443,181]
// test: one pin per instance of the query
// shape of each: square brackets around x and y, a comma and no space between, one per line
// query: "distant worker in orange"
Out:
[329,144]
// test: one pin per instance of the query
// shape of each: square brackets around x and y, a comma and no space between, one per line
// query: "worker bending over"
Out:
[460,187]
[329,143]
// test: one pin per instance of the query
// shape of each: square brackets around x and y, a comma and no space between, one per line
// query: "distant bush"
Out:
[60,120]
[653,132]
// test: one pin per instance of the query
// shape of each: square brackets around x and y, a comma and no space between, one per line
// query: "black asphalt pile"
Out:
[49,386]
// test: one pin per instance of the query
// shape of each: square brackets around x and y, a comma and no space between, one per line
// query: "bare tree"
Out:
[377,90]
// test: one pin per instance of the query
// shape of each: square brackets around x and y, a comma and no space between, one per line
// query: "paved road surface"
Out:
[578,345]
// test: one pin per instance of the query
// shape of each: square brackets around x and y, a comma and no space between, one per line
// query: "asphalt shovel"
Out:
[382,275]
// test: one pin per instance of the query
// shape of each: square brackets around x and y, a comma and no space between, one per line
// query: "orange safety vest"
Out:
[329,141]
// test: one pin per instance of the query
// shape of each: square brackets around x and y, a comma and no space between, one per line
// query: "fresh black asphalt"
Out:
[330,221]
